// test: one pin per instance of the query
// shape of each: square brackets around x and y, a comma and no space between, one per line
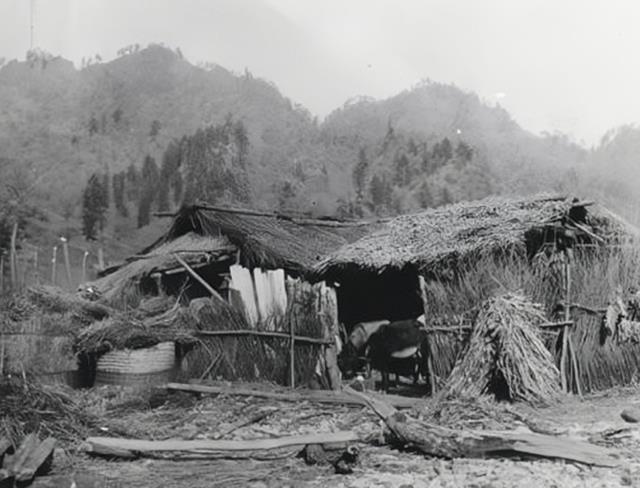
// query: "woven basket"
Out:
[152,365]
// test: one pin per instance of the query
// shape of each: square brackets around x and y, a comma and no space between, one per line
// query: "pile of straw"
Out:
[27,407]
[125,330]
[506,355]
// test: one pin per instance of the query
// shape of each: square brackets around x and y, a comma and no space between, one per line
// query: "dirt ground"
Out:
[595,418]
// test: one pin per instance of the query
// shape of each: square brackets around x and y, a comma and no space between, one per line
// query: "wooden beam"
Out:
[200,280]
[112,445]
[260,333]
[319,396]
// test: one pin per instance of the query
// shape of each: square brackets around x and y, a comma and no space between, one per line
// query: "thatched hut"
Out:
[211,239]
[470,251]
[239,272]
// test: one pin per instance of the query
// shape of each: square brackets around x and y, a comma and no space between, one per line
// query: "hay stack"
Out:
[506,355]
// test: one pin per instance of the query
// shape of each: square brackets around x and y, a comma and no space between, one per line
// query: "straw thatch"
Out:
[439,238]
[268,240]
[195,249]
[204,235]
[506,354]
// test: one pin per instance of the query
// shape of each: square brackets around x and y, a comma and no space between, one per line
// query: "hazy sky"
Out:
[568,65]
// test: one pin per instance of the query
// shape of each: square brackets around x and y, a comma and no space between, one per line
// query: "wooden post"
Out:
[12,257]
[328,314]
[84,266]
[100,258]
[67,264]
[574,363]
[35,267]
[54,263]
[430,371]
[292,354]
[565,330]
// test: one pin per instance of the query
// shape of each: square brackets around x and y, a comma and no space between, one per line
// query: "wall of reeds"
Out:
[597,276]
[249,358]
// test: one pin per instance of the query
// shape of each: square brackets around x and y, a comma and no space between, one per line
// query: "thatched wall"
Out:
[596,277]
[249,358]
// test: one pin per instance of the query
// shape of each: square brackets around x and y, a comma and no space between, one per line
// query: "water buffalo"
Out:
[396,347]
[352,357]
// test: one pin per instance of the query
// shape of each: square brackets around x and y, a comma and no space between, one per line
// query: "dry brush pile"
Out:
[506,355]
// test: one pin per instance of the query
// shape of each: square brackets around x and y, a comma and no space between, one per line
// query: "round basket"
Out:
[148,366]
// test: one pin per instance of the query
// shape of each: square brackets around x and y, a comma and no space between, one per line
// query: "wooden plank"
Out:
[241,280]
[111,445]
[319,396]
[36,458]
[262,333]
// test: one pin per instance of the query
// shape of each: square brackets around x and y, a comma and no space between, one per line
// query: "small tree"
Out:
[93,208]
[360,173]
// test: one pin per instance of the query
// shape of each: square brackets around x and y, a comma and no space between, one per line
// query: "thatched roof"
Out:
[437,238]
[193,248]
[204,234]
[267,240]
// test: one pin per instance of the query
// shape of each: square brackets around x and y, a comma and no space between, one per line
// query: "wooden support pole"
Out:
[263,333]
[84,266]
[431,329]
[292,354]
[54,264]
[565,330]
[2,273]
[67,263]
[199,279]
[574,364]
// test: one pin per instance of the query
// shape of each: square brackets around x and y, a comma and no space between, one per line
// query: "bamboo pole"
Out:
[67,263]
[54,264]
[261,333]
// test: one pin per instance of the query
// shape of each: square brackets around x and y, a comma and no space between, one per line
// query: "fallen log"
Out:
[439,441]
[203,449]
[319,396]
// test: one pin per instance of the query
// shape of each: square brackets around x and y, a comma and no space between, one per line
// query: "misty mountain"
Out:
[424,147]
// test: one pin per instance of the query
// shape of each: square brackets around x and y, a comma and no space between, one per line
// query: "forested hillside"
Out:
[107,145]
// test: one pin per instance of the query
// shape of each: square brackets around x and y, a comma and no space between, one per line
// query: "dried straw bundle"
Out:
[30,407]
[506,355]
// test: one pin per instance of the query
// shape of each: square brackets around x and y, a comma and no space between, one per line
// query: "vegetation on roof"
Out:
[436,237]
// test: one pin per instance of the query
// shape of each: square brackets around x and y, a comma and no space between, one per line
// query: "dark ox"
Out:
[398,348]
[390,347]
